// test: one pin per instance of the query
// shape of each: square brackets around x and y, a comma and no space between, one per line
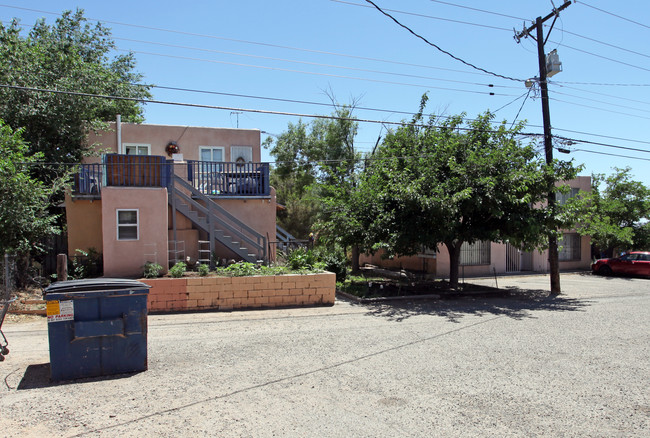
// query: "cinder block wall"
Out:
[229,293]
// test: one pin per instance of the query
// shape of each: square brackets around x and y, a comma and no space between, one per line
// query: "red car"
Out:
[633,263]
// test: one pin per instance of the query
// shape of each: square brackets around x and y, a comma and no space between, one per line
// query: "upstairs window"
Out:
[137,149]
[563,198]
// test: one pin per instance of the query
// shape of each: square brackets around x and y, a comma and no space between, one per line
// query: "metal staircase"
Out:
[221,226]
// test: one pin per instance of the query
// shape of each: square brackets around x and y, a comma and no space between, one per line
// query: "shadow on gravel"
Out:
[513,303]
[38,376]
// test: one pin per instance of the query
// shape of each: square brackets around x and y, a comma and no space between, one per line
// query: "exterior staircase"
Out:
[219,224]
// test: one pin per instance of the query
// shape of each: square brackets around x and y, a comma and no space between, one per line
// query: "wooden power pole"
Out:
[553,257]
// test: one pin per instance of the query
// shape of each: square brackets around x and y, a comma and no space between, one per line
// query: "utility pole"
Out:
[553,257]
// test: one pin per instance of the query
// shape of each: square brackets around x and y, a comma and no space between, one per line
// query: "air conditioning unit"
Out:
[553,64]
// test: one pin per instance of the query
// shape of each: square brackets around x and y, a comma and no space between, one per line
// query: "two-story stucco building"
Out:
[158,193]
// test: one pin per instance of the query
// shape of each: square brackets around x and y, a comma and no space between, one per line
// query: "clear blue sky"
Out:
[296,50]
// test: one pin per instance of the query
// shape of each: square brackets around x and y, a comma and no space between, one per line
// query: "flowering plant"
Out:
[172,148]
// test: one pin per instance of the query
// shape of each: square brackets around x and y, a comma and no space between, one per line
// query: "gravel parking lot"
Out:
[523,365]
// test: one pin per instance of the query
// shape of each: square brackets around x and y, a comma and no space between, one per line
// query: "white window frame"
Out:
[212,148]
[136,225]
[245,152]
[570,253]
[137,145]
[563,198]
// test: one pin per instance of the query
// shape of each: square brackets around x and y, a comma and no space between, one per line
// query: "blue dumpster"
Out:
[96,327]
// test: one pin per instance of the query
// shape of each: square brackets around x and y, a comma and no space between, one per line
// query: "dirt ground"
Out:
[19,305]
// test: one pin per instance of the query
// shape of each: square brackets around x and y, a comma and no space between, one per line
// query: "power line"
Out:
[225,108]
[561,84]
[238,64]
[440,49]
[612,14]
[479,10]
[601,109]
[601,56]
[450,20]
[305,62]
[322,52]
[600,101]
[318,116]
[610,155]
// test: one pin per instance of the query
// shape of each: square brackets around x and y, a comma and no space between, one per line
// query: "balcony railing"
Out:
[215,179]
[229,179]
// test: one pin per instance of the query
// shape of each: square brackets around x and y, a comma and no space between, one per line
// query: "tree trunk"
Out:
[355,259]
[454,262]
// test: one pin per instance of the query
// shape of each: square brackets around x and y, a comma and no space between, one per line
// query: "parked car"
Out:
[633,263]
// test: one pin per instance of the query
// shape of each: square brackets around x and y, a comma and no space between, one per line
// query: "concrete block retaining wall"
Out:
[229,293]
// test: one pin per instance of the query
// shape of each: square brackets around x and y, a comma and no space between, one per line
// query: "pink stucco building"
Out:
[158,193]
[487,258]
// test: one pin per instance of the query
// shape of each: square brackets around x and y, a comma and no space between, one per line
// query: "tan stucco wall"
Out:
[413,263]
[84,219]
[189,138]
[126,258]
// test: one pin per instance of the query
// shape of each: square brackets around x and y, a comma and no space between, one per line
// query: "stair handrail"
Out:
[212,205]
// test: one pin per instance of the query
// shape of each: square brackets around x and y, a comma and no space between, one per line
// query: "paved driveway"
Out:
[524,365]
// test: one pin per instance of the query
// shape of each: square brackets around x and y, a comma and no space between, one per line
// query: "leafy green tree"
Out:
[441,182]
[74,56]
[312,162]
[615,213]
[24,200]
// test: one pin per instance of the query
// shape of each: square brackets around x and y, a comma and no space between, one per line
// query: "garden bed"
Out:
[250,292]
[379,289]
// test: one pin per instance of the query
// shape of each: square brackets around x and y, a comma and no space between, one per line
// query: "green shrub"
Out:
[204,270]
[301,258]
[152,270]
[336,262]
[85,264]
[178,270]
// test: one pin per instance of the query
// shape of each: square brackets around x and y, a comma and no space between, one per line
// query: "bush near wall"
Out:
[230,293]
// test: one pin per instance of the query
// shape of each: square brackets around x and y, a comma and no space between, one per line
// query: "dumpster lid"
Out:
[94,284]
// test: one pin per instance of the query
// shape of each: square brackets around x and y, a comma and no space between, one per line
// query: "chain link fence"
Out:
[7,276]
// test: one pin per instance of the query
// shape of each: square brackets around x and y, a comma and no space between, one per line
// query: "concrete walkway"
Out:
[525,365]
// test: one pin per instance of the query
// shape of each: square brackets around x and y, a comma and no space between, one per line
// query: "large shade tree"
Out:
[313,162]
[72,55]
[615,213]
[444,181]
[24,200]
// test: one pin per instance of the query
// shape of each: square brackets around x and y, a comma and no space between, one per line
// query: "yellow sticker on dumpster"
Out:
[60,310]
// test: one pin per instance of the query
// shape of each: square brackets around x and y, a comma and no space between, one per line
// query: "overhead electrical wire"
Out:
[374,59]
[612,14]
[600,101]
[602,57]
[317,64]
[600,109]
[562,85]
[238,64]
[318,116]
[439,48]
[479,10]
[322,52]
[414,14]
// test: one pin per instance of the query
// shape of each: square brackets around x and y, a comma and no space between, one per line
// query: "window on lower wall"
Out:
[478,253]
[569,247]
[127,225]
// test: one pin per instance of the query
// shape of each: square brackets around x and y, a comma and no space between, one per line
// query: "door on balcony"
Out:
[209,180]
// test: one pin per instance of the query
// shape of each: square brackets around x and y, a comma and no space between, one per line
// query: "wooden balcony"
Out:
[213,179]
